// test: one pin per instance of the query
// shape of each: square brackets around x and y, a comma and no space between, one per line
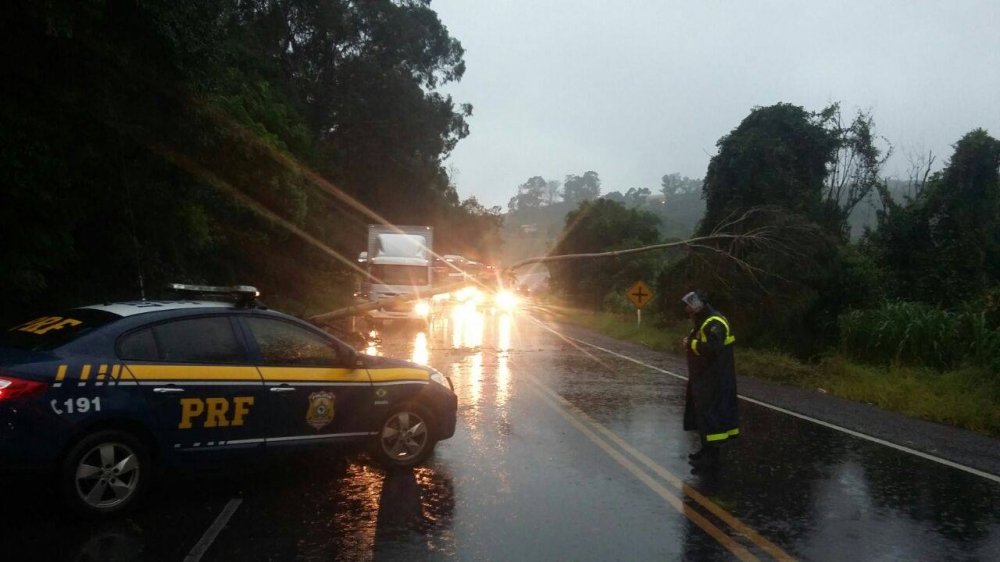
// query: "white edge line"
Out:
[213,531]
[851,432]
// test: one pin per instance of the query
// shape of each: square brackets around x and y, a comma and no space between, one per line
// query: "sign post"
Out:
[640,294]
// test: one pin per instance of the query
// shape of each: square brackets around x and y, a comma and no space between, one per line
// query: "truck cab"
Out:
[400,262]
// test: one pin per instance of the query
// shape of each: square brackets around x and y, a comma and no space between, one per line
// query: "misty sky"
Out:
[635,89]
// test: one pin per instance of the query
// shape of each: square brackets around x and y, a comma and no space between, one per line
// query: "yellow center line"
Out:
[708,504]
[698,519]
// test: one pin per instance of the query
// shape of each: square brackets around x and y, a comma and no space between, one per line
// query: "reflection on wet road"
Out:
[807,491]
[561,453]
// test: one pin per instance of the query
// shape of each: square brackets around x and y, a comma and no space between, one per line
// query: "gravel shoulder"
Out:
[950,443]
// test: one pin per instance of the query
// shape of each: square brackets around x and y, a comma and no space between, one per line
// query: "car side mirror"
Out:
[355,359]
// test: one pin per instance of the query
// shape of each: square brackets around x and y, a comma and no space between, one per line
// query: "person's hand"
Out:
[686,342]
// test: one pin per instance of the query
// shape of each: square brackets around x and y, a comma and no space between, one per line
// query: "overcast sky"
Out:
[635,89]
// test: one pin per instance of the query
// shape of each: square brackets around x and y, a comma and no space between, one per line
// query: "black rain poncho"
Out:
[711,407]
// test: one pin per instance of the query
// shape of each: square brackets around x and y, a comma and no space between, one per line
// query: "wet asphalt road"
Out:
[562,452]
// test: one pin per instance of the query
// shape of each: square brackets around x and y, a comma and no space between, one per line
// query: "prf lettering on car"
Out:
[215,410]
[40,326]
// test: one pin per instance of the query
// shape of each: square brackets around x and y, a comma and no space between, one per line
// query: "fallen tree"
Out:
[721,241]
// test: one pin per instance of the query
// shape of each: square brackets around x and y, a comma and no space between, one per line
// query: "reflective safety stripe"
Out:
[694,347]
[167,372]
[722,436]
[730,338]
[402,374]
[314,374]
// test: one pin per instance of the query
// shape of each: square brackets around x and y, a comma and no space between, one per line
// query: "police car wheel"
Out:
[105,473]
[406,437]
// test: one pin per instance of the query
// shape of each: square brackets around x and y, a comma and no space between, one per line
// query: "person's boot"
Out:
[708,459]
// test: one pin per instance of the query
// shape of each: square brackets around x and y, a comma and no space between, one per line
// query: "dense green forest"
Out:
[221,141]
[914,279]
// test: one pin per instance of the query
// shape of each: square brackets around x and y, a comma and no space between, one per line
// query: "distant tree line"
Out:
[182,140]
[541,206]
[539,192]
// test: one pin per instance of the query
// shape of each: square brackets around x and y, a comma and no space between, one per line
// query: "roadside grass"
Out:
[615,326]
[967,397]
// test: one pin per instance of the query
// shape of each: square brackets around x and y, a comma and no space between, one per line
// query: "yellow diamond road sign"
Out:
[640,294]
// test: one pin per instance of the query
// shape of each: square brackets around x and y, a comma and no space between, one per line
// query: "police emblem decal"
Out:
[321,410]
[380,393]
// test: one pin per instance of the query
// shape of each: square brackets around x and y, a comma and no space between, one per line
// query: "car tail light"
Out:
[11,387]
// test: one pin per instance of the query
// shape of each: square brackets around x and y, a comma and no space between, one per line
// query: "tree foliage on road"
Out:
[126,129]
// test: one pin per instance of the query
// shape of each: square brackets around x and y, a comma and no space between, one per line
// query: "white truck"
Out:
[400,262]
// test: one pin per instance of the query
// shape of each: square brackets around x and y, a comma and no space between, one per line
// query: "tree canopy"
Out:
[944,244]
[598,226]
[811,164]
[188,141]
[577,189]
[776,156]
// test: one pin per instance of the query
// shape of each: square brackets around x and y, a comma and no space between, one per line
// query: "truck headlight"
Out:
[506,300]
[422,308]
[468,294]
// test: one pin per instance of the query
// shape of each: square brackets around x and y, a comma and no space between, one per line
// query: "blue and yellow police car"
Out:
[106,394]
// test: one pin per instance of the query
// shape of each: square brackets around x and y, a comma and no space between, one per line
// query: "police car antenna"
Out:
[244,295]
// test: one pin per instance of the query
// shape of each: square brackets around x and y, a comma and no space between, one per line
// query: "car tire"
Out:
[106,473]
[406,437]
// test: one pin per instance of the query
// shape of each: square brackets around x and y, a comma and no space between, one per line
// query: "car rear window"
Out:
[139,346]
[189,340]
[50,332]
[198,340]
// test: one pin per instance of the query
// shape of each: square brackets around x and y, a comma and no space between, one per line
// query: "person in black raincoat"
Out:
[711,407]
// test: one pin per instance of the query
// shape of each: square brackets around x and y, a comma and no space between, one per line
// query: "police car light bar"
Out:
[244,293]
[246,290]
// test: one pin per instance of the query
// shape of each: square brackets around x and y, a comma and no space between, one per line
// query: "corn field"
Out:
[908,333]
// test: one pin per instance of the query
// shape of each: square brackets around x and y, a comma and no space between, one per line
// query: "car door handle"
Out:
[166,389]
[282,389]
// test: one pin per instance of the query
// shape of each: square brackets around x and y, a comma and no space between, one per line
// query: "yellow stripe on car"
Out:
[194,372]
[285,374]
[399,374]
[274,374]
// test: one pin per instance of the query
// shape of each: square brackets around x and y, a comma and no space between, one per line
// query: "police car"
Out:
[104,394]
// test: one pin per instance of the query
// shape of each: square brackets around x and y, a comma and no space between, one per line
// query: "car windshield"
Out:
[399,274]
[52,331]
